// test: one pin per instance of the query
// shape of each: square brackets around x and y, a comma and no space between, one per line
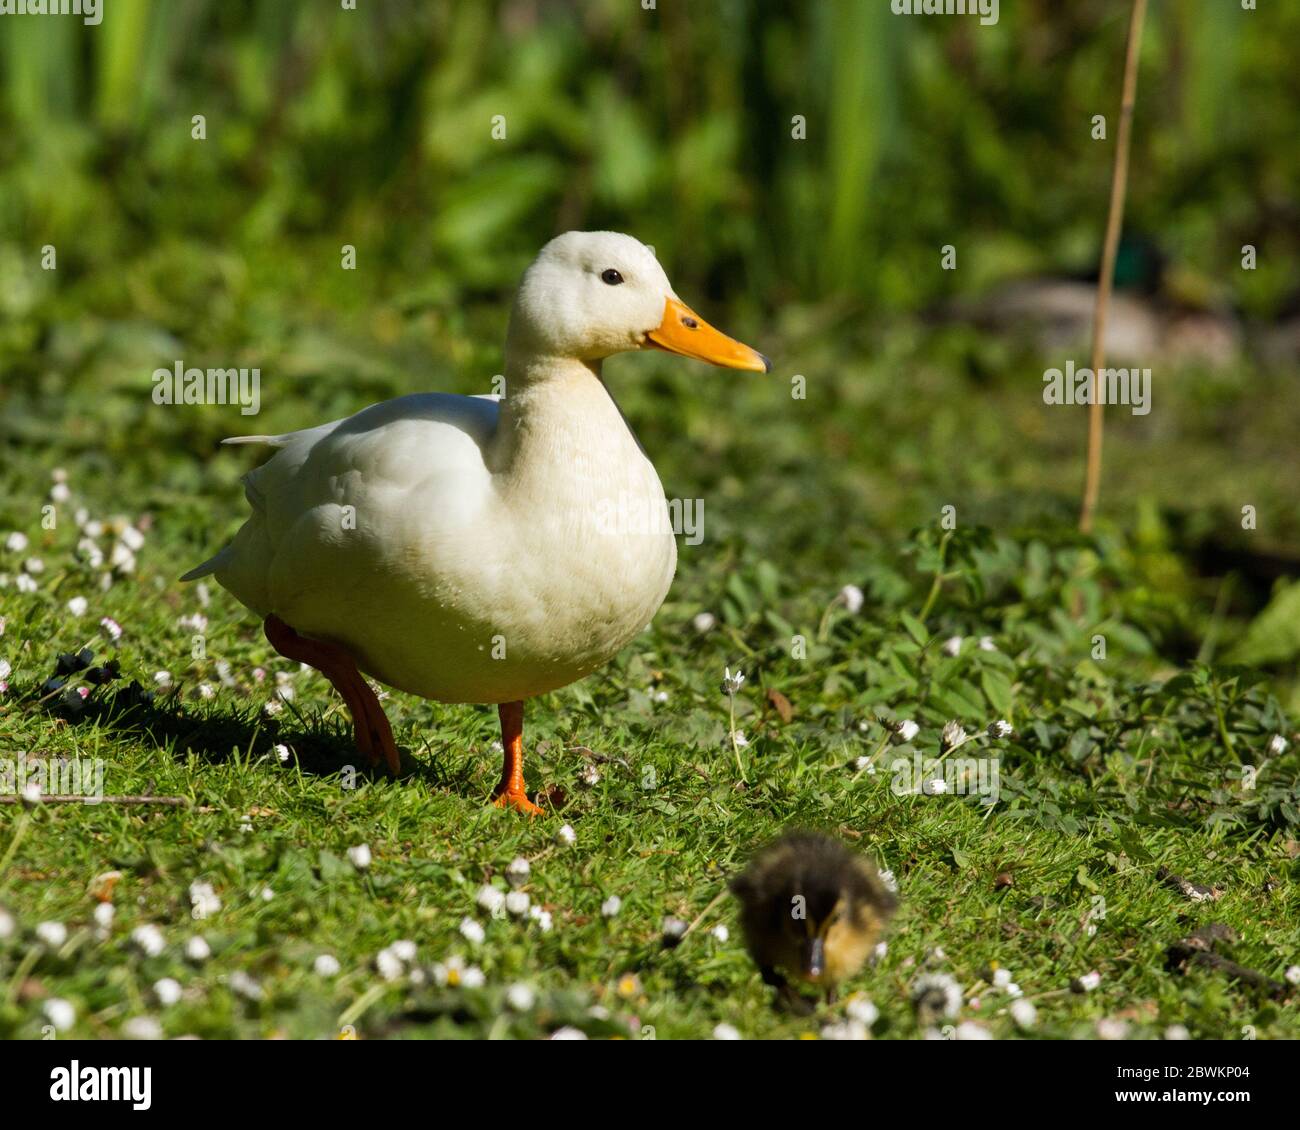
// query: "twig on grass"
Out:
[1114,222]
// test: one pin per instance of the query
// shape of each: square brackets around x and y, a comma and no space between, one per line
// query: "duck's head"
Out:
[589,295]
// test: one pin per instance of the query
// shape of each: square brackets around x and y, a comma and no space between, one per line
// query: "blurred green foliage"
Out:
[375,127]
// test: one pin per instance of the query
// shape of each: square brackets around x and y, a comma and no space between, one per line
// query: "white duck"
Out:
[470,549]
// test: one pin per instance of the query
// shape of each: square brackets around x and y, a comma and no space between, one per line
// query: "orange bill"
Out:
[684,331]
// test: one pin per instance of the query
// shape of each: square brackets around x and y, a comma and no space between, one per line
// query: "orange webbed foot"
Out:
[518,801]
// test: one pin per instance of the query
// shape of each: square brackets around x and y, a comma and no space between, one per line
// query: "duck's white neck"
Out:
[557,417]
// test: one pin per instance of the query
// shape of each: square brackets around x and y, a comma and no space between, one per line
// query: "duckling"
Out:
[811,909]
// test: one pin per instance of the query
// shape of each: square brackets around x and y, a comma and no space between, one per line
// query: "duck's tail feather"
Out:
[210,566]
[273,441]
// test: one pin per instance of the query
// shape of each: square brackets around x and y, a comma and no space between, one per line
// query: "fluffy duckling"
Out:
[811,909]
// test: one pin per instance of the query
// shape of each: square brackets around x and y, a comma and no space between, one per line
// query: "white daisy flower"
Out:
[704,622]
[721,934]
[518,871]
[490,899]
[1023,1013]
[149,940]
[197,950]
[726,1032]
[52,934]
[142,1028]
[1109,1028]
[673,929]
[566,835]
[389,965]
[937,993]
[517,903]
[611,906]
[1087,982]
[521,998]
[168,991]
[731,684]
[845,1030]
[245,986]
[472,932]
[204,901]
[952,645]
[952,736]
[862,1010]
[360,856]
[60,1013]
[851,597]
[326,965]
[905,730]
[449,972]
[121,558]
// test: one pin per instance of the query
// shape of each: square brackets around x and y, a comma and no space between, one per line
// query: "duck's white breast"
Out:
[392,534]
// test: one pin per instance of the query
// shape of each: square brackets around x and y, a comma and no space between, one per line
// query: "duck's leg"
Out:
[374,736]
[510,792]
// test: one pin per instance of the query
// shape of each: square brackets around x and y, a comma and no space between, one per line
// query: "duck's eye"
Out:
[611,276]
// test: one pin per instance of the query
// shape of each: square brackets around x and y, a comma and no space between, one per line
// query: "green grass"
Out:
[824,253]
[1114,772]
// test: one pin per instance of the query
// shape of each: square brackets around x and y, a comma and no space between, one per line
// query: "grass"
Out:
[1134,755]
[1120,766]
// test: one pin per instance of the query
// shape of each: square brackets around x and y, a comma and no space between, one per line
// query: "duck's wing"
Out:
[410,439]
